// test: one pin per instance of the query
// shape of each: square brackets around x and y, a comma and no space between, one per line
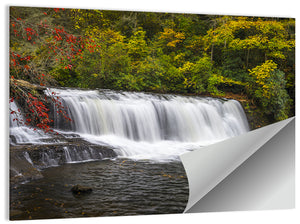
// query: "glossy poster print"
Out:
[117,113]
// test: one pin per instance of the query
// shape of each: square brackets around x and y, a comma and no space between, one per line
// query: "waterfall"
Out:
[21,134]
[157,127]
[149,126]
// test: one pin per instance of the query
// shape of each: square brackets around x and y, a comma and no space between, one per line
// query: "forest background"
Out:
[251,59]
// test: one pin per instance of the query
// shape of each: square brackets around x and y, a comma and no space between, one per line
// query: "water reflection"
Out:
[120,187]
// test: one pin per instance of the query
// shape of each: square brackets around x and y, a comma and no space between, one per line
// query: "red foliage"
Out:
[60,43]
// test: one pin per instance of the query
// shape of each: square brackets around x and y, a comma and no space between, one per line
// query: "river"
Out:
[120,187]
[142,172]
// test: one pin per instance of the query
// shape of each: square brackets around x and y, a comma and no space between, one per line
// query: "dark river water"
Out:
[157,127]
[120,187]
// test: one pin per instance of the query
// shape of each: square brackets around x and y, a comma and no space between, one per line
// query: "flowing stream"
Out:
[149,126]
[125,145]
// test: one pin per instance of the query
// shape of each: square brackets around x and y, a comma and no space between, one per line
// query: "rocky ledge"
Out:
[27,161]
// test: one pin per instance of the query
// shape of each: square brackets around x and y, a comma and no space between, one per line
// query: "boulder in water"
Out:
[79,189]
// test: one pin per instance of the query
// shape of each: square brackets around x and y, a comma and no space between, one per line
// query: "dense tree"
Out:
[161,52]
[269,89]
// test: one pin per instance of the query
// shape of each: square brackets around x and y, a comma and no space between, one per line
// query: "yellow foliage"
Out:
[270,36]
[172,37]
[225,80]
[186,67]
[261,74]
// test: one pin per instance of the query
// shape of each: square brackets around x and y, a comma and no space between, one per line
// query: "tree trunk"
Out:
[247,58]
[212,53]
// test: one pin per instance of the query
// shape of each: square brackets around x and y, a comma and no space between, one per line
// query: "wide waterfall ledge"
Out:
[158,127]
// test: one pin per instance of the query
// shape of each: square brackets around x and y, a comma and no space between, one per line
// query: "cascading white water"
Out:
[150,126]
[21,133]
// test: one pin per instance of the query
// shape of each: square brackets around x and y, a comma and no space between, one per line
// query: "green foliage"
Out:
[197,74]
[152,73]
[269,90]
[160,52]
[233,66]
[216,82]
[137,46]
[129,82]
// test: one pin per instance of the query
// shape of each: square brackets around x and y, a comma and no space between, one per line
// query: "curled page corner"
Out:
[208,166]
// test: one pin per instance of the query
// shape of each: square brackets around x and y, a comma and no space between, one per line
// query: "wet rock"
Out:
[21,170]
[27,160]
[79,189]
[55,154]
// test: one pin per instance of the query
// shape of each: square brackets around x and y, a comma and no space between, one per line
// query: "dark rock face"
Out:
[58,154]
[21,170]
[26,161]
[256,118]
[80,190]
